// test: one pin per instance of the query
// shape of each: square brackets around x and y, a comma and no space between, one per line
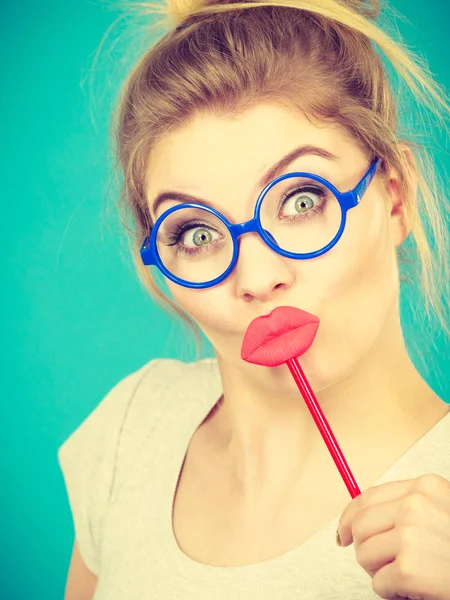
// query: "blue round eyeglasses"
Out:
[195,246]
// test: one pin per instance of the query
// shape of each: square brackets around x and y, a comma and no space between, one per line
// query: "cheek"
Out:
[364,257]
[358,297]
[364,261]
[210,308]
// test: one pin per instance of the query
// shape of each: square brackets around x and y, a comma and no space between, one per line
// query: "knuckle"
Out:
[366,500]
[364,556]
[378,585]
[430,483]
[408,537]
[404,571]
[413,505]
[357,530]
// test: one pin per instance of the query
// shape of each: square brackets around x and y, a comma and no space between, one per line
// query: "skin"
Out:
[374,399]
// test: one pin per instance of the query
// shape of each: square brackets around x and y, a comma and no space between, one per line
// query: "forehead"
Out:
[213,153]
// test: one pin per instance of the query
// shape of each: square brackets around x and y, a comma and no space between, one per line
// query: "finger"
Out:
[426,513]
[419,569]
[412,509]
[434,487]
[377,551]
[379,493]
[397,580]
[372,521]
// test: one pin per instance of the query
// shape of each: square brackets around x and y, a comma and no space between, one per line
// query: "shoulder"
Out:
[110,437]
[108,414]
[171,388]
[142,395]
[153,380]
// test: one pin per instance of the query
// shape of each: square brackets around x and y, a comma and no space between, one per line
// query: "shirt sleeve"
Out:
[87,460]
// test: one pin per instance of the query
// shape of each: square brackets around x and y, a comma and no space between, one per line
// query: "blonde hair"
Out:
[227,58]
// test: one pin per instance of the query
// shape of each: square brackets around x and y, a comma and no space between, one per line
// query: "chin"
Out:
[322,370]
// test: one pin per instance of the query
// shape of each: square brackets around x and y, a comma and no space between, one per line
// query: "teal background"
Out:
[74,316]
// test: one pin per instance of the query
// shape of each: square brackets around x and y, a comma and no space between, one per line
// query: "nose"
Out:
[260,273]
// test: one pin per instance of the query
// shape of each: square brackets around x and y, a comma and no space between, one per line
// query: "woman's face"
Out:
[353,288]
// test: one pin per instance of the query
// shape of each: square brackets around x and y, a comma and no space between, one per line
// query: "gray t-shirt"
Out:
[121,467]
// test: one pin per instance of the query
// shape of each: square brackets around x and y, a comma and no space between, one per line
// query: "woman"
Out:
[210,479]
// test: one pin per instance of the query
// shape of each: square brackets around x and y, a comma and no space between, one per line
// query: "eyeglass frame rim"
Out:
[347,200]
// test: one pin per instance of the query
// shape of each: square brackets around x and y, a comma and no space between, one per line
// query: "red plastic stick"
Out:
[323,426]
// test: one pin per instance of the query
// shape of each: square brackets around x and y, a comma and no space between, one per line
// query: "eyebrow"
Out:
[270,175]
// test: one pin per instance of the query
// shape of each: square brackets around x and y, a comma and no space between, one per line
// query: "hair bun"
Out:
[178,10]
[368,8]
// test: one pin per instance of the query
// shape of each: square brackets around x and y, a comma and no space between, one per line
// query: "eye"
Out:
[199,236]
[301,201]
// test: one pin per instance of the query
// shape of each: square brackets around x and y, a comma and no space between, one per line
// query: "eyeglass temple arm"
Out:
[365,181]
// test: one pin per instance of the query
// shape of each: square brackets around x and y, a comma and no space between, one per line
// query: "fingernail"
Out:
[338,538]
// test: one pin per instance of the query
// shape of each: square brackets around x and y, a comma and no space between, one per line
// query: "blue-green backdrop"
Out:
[75,320]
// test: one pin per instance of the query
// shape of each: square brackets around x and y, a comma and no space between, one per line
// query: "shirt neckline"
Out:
[206,397]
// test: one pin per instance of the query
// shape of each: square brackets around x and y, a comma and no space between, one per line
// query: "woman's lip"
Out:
[286,332]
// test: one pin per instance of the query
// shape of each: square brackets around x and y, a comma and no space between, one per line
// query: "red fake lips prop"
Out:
[273,339]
